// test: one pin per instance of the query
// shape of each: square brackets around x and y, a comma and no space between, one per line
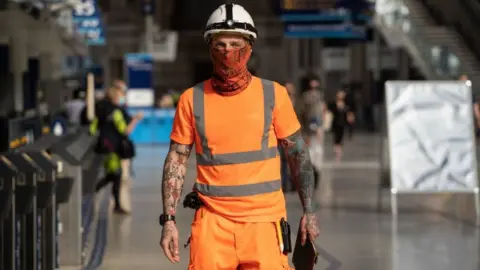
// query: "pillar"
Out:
[107,77]
[359,72]
[118,4]
[377,64]
[18,65]
[294,64]
[378,109]
[315,48]
[46,66]
[318,47]
[3,5]
[403,65]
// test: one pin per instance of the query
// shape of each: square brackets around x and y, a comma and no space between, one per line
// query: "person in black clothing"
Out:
[113,129]
[342,117]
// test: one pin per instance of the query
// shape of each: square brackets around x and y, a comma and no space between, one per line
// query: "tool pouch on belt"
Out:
[192,200]
[285,231]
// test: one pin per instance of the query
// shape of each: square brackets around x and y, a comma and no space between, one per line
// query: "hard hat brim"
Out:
[244,33]
[245,29]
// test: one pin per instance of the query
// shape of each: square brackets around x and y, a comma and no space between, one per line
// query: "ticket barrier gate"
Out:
[46,211]
[71,151]
[25,220]
[8,176]
[60,194]
[64,189]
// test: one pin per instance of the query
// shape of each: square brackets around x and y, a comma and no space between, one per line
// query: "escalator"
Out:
[463,21]
[436,47]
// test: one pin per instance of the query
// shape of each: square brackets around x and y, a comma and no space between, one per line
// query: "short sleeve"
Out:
[183,131]
[285,119]
[119,121]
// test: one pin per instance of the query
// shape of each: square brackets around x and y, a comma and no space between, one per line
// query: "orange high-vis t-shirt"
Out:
[234,124]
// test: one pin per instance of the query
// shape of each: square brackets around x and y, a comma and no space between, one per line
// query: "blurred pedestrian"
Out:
[112,129]
[342,117]
[128,151]
[75,106]
[312,113]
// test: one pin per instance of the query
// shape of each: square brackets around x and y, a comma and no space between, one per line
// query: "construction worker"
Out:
[112,127]
[235,121]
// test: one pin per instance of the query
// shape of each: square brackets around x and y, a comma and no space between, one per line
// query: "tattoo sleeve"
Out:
[301,169]
[174,171]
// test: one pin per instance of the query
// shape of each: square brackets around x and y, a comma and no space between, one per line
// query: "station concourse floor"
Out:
[430,232]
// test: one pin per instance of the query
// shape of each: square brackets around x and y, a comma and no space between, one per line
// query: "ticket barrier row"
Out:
[28,226]
[33,184]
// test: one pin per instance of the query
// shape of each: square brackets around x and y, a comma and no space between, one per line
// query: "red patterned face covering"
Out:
[230,73]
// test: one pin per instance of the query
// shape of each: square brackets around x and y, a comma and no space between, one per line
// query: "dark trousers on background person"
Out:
[113,174]
[115,179]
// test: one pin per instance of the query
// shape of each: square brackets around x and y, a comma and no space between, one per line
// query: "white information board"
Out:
[431,136]
[140,98]
[164,46]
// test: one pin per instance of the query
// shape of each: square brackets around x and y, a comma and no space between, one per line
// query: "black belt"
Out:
[193,201]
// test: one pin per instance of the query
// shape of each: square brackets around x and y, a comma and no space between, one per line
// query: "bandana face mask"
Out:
[230,73]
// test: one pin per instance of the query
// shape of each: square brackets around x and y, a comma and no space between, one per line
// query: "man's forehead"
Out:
[228,37]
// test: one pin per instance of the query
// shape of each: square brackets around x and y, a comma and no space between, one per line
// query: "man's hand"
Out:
[169,241]
[309,228]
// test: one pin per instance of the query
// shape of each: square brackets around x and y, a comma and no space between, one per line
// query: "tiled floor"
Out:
[430,233]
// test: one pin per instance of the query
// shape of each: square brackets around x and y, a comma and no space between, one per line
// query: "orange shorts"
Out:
[220,243]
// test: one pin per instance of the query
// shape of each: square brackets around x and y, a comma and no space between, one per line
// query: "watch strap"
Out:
[164,218]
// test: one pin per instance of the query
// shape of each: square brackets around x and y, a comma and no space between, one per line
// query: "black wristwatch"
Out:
[164,218]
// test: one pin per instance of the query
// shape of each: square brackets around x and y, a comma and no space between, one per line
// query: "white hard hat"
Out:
[230,18]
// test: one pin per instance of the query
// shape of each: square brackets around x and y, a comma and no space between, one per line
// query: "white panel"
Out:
[165,45]
[431,140]
[140,98]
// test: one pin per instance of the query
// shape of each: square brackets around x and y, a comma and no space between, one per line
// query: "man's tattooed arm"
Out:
[174,171]
[301,169]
